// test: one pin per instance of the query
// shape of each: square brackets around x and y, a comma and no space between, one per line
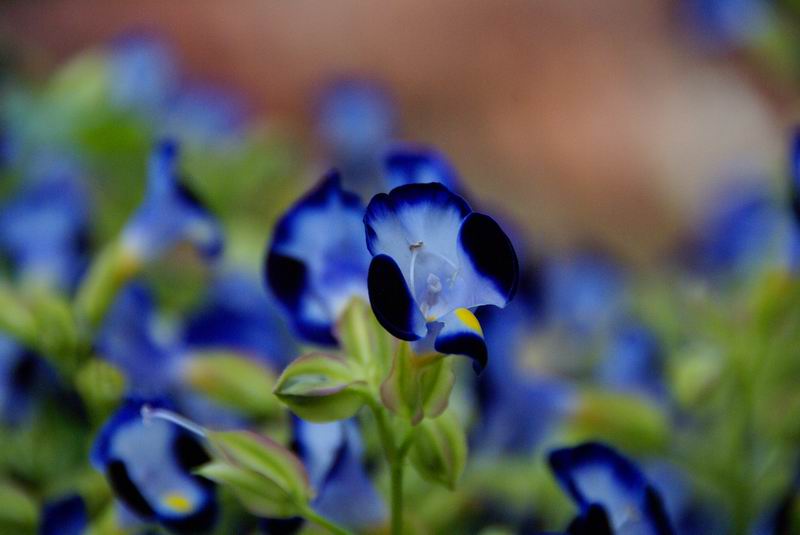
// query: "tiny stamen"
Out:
[149,414]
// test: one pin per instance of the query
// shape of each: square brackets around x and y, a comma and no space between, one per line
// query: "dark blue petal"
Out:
[317,260]
[391,300]
[238,315]
[64,516]
[462,335]
[593,473]
[593,521]
[417,165]
[491,253]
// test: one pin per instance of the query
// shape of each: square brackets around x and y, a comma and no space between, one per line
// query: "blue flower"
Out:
[317,261]
[65,516]
[331,453]
[434,259]
[169,213]
[238,316]
[406,164]
[612,494]
[130,339]
[746,232]
[44,230]
[584,293]
[356,121]
[143,74]
[22,375]
[794,177]
[634,361]
[149,465]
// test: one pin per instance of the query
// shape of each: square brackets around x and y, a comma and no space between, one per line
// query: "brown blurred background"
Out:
[589,121]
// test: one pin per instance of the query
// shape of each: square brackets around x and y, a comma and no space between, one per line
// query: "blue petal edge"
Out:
[417,165]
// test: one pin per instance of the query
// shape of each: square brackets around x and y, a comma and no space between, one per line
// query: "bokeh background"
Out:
[586,121]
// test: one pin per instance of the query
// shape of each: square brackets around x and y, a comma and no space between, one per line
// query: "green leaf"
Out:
[418,386]
[234,381]
[258,494]
[266,458]
[321,388]
[439,450]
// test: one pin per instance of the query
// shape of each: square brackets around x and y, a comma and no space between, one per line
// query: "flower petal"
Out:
[594,521]
[593,473]
[391,300]
[495,269]
[414,214]
[149,466]
[417,165]
[64,516]
[462,335]
[317,260]
[170,213]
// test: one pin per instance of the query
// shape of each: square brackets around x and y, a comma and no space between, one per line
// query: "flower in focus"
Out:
[317,261]
[612,494]
[434,260]
[64,516]
[331,453]
[149,465]
[43,230]
[169,213]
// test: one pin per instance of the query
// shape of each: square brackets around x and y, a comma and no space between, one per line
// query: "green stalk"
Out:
[320,520]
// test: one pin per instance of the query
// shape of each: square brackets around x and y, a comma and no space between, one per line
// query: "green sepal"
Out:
[101,386]
[418,386]
[234,381]
[321,388]
[267,478]
[19,510]
[439,450]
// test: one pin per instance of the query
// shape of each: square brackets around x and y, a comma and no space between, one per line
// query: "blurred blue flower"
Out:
[317,261]
[584,293]
[66,515]
[149,465]
[633,362]
[612,494]
[44,229]
[238,315]
[434,259]
[169,213]
[517,407]
[356,120]
[131,339]
[747,231]
[407,164]
[794,177]
[22,376]
[725,24]
[204,115]
[143,74]
[332,454]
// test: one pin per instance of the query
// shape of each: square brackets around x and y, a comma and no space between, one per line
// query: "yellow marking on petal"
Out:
[177,502]
[469,319]
[430,319]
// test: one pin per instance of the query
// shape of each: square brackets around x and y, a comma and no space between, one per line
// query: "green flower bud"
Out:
[439,450]
[321,388]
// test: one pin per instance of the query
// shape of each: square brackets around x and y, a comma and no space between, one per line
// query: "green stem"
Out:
[397,495]
[320,520]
